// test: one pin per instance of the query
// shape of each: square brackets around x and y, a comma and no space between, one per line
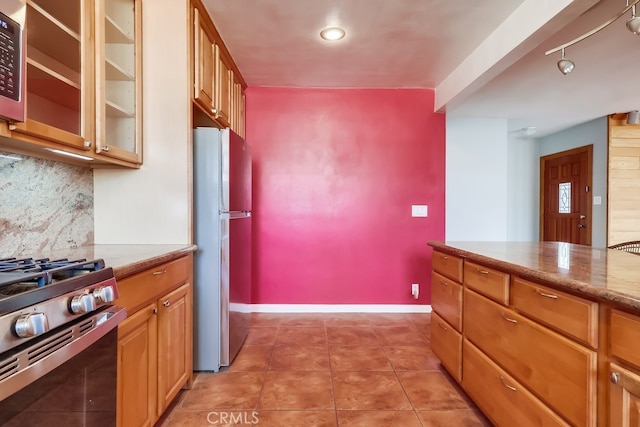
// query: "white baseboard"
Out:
[340,308]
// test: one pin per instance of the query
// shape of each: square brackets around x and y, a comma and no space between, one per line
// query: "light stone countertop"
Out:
[604,274]
[125,259]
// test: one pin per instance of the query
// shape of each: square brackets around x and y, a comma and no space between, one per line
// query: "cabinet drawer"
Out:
[446,300]
[559,371]
[446,343]
[491,283]
[448,265]
[625,336]
[148,285]
[505,401]
[568,314]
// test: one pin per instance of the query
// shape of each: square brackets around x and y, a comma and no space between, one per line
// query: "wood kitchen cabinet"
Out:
[59,76]
[83,93]
[155,350]
[174,344]
[624,369]
[525,353]
[446,300]
[217,82]
[137,368]
[118,49]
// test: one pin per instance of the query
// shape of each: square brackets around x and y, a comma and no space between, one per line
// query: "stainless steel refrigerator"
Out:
[222,263]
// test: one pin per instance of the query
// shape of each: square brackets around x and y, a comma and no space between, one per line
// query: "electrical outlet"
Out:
[415,290]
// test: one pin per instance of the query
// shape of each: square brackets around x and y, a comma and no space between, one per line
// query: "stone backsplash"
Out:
[44,205]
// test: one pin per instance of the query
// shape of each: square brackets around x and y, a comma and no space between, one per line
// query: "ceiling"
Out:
[484,59]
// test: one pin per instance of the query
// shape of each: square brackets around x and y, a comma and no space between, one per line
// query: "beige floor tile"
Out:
[429,390]
[347,335]
[412,358]
[378,419]
[460,417]
[389,319]
[262,336]
[229,390]
[346,319]
[369,390]
[252,358]
[297,419]
[301,336]
[259,320]
[400,335]
[297,390]
[301,319]
[358,358]
[300,358]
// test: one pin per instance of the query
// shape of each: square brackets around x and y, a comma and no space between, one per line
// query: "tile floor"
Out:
[329,370]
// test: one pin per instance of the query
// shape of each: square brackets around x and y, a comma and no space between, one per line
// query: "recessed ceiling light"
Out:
[332,33]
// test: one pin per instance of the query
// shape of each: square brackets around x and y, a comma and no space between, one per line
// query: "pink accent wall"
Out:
[335,174]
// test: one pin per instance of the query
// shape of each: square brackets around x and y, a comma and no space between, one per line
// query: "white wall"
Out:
[523,201]
[476,175]
[593,132]
[152,205]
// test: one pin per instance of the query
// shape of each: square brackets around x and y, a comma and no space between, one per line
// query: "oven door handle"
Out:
[57,349]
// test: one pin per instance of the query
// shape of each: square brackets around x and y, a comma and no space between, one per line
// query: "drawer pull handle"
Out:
[510,387]
[443,283]
[483,272]
[444,257]
[614,377]
[444,328]
[508,319]
[544,294]
[157,273]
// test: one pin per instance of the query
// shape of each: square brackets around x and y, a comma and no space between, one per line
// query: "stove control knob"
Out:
[104,294]
[81,304]
[31,325]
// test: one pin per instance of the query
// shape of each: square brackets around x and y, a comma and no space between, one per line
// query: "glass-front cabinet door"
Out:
[118,77]
[59,73]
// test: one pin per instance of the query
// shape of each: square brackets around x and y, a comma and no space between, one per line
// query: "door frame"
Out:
[543,159]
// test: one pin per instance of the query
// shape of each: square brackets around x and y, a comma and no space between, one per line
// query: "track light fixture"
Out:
[566,66]
[633,24]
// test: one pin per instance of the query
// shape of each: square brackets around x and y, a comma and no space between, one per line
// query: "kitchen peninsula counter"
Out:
[608,275]
[540,333]
[127,259]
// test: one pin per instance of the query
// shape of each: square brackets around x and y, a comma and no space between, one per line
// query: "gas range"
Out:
[38,295]
[58,331]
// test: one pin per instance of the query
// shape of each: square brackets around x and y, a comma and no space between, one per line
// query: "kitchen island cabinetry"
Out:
[217,82]
[552,328]
[155,341]
[82,81]
[624,369]
[446,325]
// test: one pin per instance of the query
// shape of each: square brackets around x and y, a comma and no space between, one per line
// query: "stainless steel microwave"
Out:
[12,60]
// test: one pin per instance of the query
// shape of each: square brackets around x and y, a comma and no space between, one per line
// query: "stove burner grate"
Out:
[24,274]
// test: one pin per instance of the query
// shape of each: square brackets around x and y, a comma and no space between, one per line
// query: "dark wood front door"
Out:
[565,199]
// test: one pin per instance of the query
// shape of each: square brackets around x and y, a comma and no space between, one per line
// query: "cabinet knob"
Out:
[614,377]
[105,148]
[167,303]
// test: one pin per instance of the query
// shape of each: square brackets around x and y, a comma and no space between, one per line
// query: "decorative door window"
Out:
[564,195]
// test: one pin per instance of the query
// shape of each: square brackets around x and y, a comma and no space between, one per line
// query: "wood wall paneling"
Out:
[623,181]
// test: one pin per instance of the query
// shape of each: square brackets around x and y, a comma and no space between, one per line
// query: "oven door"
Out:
[66,377]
